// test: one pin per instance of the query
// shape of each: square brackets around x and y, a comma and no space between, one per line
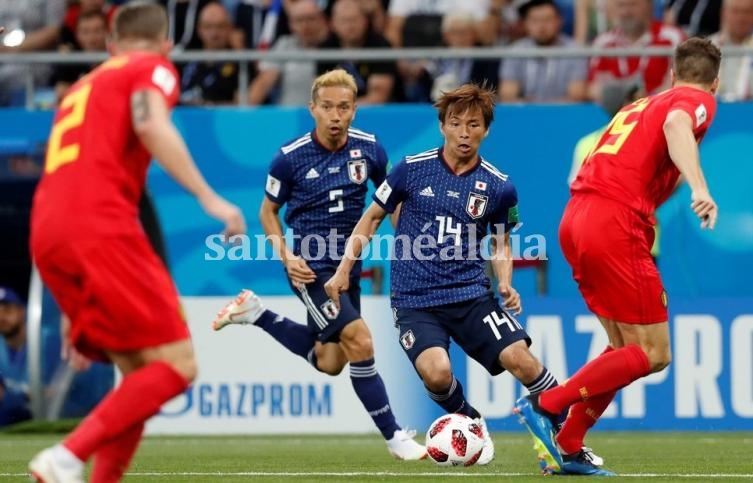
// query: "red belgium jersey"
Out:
[96,166]
[631,162]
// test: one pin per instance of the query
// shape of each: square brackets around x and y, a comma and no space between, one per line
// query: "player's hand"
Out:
[511,298]
[299,271]
[220,209]
[705,208]
[339,283]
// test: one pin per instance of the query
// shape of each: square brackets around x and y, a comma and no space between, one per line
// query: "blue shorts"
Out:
[322,318]
[481,327]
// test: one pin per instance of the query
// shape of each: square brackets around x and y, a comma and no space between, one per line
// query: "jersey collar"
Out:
[446,166]
[315,138]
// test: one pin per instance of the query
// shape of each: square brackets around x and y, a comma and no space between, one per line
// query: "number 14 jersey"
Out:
[439,251]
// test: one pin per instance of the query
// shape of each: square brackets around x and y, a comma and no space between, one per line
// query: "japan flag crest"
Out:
[357,170]
[476,205]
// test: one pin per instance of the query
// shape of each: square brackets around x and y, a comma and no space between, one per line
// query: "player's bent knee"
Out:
[437,375]
[437,381]
[330,366]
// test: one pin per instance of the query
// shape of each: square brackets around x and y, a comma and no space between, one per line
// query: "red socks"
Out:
[112,459]
[581,418]
[606,374]
[139,397]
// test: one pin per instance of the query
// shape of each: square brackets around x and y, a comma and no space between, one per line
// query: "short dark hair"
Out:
[527,6]
[697,61]
[465,97]
[140,20]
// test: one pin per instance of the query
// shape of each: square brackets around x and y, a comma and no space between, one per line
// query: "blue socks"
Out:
[295,337]
[453,400]
[373,395]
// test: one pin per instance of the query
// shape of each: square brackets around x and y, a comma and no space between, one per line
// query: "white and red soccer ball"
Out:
[454,440]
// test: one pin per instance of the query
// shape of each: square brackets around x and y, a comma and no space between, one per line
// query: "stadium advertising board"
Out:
[249,384]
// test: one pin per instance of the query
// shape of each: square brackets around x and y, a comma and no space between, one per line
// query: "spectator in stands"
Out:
[590,20]
[14,387]
[70,21]
[735,74]
[30,25]
[418,23]
[292,78]
[459,31]
[695,17]
[544,79]
[503,25]
[14,378]
[375,11]
[260,22]
[209,82]
[90,36]
[183,16]
[350,30]
[633,26]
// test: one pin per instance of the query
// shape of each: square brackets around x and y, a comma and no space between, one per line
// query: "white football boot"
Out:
[403,447]
[246,308]
[45,467]
[487,454]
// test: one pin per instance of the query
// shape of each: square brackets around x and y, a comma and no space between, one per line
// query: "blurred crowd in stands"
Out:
[289,25]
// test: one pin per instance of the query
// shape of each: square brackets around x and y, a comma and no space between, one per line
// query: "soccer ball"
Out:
[454,440]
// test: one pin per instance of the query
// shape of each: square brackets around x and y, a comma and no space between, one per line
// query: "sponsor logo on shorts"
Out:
[408,339]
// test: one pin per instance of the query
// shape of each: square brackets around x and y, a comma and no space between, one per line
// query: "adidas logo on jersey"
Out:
[312,174]
[427,191]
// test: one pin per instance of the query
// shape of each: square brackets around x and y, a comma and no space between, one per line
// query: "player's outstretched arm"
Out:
[152,124]
[683,150]
[502,266]
[361,236]
[298,270]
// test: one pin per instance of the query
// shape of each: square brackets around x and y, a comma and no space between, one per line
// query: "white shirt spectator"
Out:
[405,8]
[20,18]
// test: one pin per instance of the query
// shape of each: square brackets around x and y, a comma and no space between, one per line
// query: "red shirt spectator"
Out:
[70,20]
[652,73]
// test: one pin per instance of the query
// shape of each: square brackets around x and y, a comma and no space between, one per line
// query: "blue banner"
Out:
[533,144]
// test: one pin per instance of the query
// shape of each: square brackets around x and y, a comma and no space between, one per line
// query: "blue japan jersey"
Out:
[325,190]
[444,217]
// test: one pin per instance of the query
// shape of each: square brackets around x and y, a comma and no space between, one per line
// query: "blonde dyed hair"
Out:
[334,78]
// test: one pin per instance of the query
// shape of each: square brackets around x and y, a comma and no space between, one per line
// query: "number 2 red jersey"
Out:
[96,166]
[630,163]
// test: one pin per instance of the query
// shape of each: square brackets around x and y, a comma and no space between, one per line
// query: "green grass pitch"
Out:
[652,457]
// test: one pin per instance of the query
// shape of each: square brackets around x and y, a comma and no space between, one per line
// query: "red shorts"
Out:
[608,246]
[117,293]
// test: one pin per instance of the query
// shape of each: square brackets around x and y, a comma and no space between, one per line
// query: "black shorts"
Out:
[481,327]
[323,318]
